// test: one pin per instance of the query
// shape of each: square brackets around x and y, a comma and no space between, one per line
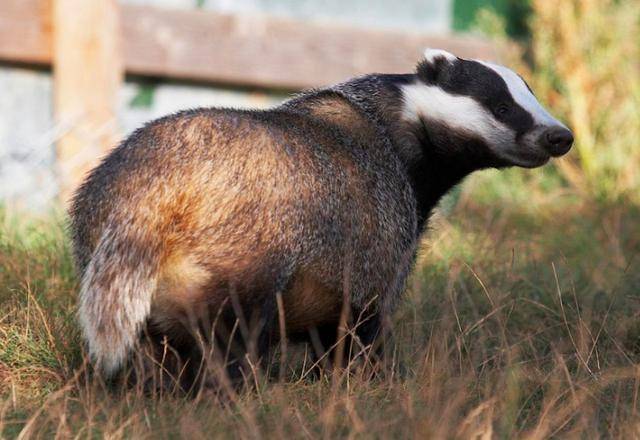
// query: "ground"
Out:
[522,318]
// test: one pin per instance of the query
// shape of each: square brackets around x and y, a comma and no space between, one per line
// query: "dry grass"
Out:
[590,54]
[518,322]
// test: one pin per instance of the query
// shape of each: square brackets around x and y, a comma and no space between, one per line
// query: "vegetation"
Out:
[514,13]
[585,66]
[522,318]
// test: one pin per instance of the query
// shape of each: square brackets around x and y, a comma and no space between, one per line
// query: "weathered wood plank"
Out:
[25,31]
[87,75]
[242,49]
[269,51]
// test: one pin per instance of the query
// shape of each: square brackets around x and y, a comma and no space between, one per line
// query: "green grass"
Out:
[520,319]
[514,12]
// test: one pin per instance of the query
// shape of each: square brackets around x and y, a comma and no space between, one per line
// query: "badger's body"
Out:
[213,213]
[205,201]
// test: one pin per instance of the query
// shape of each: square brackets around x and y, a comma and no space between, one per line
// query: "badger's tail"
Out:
[115,295]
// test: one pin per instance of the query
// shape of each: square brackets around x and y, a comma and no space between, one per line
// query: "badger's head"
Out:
[482,109]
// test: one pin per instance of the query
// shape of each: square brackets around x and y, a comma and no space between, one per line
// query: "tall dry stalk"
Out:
[587,66]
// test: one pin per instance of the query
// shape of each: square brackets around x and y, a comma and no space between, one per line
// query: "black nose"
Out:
[556,140]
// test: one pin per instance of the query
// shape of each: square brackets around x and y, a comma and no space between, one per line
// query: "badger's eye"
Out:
[502,109]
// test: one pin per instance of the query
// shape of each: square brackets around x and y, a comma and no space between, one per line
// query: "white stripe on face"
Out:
[456,111]
[523,96]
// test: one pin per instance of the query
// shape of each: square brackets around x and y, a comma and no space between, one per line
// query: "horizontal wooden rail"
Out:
[241,49]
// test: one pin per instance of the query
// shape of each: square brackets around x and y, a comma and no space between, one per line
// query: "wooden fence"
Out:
[91,44]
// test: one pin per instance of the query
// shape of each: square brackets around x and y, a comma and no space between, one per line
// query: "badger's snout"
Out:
[556,140]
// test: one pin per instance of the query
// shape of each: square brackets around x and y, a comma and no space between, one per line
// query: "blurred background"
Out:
[117,65]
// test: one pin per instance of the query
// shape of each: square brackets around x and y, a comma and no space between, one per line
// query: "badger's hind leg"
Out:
[170,349]
[178,347]
[168,359]
[246,328]
[205,330]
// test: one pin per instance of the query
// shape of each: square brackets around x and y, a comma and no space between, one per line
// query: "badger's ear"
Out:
[434,62]
[431,55]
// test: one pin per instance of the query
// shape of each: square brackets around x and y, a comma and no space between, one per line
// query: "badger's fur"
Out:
[206,216]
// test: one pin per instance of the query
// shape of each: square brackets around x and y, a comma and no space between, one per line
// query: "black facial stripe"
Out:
[481,83]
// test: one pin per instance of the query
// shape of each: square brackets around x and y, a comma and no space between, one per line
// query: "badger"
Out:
[230,226]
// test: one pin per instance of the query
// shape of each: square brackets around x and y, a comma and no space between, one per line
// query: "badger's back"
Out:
[253,176]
